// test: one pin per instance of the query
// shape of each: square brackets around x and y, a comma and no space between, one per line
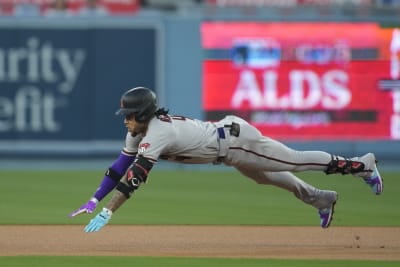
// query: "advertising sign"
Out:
[65,84]
[304,80]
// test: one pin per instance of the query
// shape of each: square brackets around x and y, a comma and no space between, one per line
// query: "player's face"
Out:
[130,123]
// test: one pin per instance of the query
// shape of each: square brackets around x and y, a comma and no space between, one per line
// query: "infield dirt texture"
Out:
[361,243]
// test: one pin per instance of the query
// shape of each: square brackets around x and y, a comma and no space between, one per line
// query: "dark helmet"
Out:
[140,101]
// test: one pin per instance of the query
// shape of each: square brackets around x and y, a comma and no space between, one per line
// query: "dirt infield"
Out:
[205,241]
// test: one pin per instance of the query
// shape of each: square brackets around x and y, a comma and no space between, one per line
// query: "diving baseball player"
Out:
[155,135]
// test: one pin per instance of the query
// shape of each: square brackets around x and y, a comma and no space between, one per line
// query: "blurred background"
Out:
[316,75]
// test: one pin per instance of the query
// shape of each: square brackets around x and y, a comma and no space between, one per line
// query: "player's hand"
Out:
[88,207]
[99,221]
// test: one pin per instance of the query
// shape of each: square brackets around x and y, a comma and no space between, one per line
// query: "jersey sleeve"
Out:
[131,144]
[156,140]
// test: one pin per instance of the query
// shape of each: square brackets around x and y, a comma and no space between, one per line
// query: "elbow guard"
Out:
[135,175]
[139,171]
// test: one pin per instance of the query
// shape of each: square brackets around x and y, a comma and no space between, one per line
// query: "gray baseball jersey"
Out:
[176,138]
[258,157]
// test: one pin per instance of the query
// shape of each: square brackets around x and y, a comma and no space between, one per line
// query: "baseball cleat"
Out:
[375,181]
[372,177]
[326,214]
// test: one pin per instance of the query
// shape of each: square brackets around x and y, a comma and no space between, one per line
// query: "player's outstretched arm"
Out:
[134,177]
[123,192]
[110,180]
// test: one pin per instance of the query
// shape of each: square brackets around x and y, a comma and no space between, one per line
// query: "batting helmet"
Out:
[140,101]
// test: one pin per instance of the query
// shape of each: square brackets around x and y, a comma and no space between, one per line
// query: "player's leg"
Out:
[323,200]
[252,150]
[364,166]
[255,151]
[288,181]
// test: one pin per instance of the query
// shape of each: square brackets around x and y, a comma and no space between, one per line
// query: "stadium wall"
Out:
[65,109]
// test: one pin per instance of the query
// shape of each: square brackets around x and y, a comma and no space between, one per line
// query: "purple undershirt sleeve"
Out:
[120,166]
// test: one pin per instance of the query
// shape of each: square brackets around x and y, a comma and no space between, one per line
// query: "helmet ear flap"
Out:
[146,113]
[140,117]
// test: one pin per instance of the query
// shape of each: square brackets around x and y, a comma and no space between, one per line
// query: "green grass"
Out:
[190,197]
[47,261]
[193,197]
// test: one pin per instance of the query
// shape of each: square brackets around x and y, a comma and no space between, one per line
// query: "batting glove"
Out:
[88,207]
[99,221]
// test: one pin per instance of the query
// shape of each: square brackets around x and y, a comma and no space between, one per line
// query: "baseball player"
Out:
[153,134]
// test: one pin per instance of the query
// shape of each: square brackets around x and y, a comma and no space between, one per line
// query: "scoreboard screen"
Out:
[304,81]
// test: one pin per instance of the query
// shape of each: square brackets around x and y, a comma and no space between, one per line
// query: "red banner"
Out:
[306,87]
[113,6]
